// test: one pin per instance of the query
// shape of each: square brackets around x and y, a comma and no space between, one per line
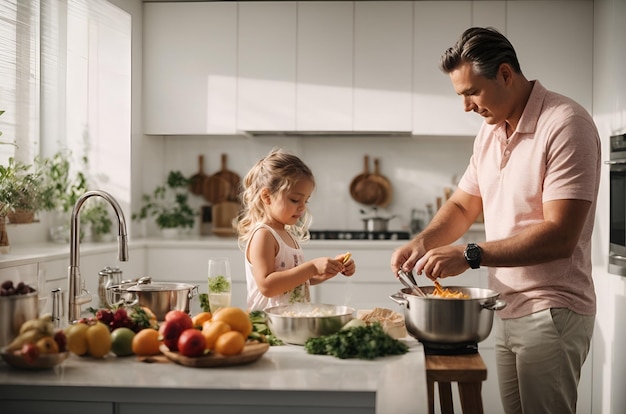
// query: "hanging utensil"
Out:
[196,182]
[409,282]
[386,192]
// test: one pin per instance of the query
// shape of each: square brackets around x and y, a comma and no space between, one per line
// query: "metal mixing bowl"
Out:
[162,297]
[296,323]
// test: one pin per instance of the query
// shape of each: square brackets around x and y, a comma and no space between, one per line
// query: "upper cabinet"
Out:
[370,66]
[559,50]
[383,40]
[437,109]
[325,69]
[267,66]
[190,68]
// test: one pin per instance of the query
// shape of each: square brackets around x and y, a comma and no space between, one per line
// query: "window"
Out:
[65,83]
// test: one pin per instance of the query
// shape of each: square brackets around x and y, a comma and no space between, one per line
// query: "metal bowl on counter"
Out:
[440,320]
[159,297]
[14,311]
[298,322]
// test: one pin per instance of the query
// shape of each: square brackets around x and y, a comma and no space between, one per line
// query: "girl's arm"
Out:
[262,250]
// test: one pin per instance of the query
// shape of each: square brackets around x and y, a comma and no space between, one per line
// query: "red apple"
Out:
[181,317]
[30,352]
[170,331]
[191,343]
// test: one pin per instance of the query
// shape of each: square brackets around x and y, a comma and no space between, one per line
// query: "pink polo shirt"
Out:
[553,154]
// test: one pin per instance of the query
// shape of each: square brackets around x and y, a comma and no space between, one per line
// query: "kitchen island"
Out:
[284,380]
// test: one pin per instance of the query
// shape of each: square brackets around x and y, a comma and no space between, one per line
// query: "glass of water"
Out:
[219,283]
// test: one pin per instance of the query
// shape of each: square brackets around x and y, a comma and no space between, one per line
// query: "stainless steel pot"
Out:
[162,297]
[296,323]
[14,311]
[447,320]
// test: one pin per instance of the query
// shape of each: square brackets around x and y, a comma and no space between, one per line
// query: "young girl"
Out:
[273,222]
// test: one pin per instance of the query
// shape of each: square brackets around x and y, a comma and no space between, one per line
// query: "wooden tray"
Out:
[250,353]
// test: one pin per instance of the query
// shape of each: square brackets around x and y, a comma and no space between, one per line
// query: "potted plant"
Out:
[21,191]
[62,190]
[168,204]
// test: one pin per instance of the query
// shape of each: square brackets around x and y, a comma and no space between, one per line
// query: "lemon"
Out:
[98,340]
[122,341]
[76,336]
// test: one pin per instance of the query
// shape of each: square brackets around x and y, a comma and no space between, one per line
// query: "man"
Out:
[534,173]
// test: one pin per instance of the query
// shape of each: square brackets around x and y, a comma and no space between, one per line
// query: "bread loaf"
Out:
[391,322]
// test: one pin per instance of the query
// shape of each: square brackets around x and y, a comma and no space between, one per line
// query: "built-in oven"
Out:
[617,214]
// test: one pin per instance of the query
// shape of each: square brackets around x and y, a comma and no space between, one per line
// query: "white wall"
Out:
[609,110]
[418,168]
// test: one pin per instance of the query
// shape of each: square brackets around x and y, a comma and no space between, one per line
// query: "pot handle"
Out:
[499,304]
[191,293]
[400,299]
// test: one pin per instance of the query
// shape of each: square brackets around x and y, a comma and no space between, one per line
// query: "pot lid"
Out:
[160,286]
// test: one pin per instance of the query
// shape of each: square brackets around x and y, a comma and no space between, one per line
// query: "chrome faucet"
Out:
[78,295]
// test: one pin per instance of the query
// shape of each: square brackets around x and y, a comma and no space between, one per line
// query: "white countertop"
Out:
[33,253]
[397,382]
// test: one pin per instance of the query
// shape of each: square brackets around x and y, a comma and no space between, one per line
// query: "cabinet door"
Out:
[562,37]
[266,66]
[189,265]
[189,68]
[325,69]
[382,66]
[437,109]
[489,13]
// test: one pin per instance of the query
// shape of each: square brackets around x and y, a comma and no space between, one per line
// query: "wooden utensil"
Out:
[232,178]
[361,189]
[224,214]
[196,182]
[216,189]
[383,183]
[251,352]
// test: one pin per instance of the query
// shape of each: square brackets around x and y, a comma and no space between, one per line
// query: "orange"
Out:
[230,343]
[201,318]
[237,318]
[211,330]
[146,342]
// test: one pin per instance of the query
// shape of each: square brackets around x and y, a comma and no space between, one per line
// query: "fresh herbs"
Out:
[204,302]
[219,284]
[260,330]
[362,342]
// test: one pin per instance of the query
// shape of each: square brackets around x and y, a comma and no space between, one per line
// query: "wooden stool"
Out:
[468,371]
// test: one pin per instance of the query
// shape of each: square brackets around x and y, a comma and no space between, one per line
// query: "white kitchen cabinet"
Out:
[382,66]
[171,263]
[324,98]
[266,66]
[561,37]
[190,68]
[489,13]
[437,109]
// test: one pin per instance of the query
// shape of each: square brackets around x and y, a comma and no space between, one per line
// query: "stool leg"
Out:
[431,396]
[445,397]
[471,399]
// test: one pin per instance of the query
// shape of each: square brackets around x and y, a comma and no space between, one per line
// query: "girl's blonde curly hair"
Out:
[278,172]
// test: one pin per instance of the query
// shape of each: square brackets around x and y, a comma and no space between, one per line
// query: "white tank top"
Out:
[286,258]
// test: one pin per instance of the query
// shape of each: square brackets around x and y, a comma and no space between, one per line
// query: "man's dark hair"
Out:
[485,48]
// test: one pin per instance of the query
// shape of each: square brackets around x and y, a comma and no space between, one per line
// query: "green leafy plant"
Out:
[168,204]
[21,187]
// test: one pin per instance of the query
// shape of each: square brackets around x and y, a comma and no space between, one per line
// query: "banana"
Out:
[43,324]
[31,336]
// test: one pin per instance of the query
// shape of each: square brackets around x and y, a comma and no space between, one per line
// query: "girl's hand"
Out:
[349,267]
[326,267]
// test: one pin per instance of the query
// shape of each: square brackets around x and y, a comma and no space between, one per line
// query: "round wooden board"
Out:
[250,353]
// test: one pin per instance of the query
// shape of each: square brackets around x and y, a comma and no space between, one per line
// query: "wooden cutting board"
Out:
[196,182]
[250,353]
[224,214]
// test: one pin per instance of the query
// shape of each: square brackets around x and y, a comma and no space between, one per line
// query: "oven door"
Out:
[617,241]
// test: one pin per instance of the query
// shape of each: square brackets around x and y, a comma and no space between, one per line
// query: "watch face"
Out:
[473,253]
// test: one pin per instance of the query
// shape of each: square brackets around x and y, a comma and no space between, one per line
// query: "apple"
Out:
[181,317]
[191,343]
[30,352]
[170,331]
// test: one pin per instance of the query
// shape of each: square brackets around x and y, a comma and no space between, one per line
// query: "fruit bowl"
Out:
[43,361]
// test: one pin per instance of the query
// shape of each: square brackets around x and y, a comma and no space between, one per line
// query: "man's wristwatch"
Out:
[473,254]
